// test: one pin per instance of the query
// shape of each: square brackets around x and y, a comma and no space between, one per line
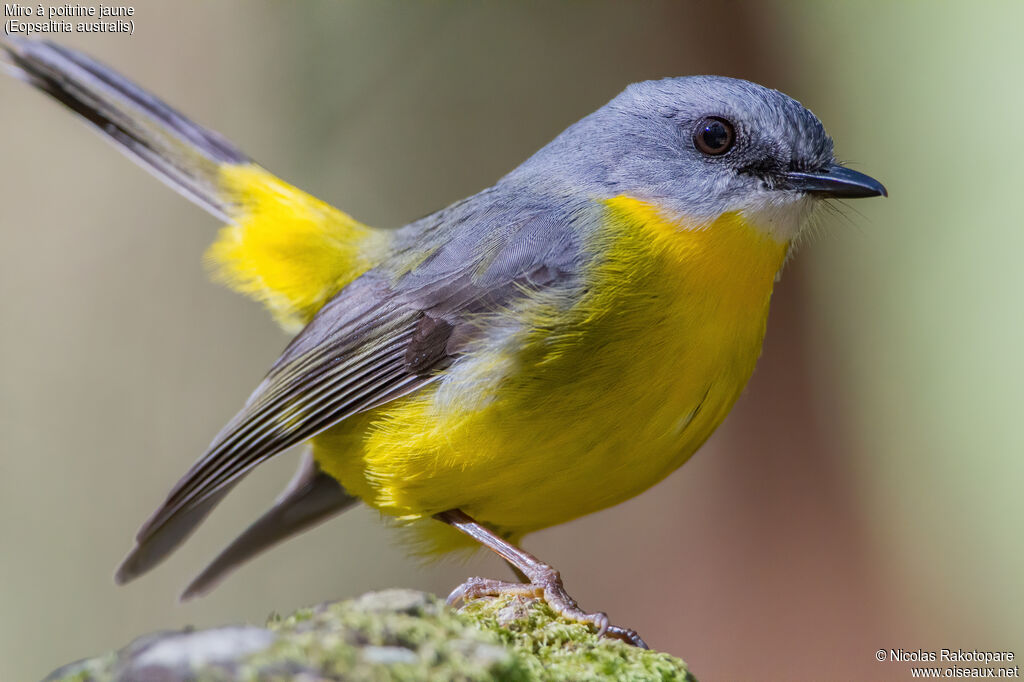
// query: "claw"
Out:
[626,635]
[550,589]
[544,580]
[457,595]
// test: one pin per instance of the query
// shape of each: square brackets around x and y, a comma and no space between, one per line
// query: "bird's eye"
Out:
[714,136]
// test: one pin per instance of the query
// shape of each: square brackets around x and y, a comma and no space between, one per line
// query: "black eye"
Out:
[714,136]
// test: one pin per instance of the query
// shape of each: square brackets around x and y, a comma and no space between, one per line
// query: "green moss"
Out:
[391,635]
[553,649]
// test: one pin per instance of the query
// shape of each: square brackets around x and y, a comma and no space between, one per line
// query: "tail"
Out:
[311,498]
[282,246]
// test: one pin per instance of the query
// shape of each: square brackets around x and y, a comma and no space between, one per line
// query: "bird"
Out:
[548,347]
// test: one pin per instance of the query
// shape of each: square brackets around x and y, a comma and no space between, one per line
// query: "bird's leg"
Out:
[542,580]
[520,576]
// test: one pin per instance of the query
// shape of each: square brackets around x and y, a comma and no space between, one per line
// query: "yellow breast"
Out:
[576,414]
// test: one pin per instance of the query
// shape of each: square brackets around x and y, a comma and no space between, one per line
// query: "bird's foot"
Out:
[545,583]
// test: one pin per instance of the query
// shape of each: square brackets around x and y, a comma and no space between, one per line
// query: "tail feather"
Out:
[311,498]
[179,152]
[282,247]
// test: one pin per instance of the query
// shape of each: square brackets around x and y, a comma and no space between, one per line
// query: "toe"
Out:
[626,635]
[600,621]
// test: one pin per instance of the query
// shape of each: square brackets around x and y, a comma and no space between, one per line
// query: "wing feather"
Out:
[381,337]
[300,410]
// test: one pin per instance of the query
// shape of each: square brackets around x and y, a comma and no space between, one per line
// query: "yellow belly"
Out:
[545,427]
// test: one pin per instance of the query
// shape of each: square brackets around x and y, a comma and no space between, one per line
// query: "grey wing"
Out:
[351,355]
[380,338]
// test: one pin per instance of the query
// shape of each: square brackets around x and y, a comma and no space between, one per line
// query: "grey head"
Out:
[697,147]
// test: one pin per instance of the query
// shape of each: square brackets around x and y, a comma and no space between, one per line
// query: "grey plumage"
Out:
[640,144]
[374,341]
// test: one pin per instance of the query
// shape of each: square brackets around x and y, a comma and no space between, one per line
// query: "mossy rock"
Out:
[390,635]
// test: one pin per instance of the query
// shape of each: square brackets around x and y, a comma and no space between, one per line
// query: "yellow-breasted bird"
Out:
[548,347]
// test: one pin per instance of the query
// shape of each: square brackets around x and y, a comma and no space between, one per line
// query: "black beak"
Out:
[835,181]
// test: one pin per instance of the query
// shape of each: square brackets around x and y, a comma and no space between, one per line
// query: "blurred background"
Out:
[866,491]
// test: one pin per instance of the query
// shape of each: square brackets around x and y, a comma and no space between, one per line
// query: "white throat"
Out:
[782,215]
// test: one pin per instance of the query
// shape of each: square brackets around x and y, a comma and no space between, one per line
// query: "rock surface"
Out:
[390,635]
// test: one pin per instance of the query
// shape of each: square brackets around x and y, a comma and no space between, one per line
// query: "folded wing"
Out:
[382,337]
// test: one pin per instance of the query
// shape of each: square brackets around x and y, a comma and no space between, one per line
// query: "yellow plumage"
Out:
[530,434]
[287,249]
[647,367]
